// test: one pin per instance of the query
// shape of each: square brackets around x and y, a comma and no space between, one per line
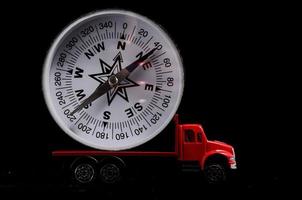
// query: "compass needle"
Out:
[115,68]
[113,81]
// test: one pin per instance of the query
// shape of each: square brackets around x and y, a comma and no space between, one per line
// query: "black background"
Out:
[232,82]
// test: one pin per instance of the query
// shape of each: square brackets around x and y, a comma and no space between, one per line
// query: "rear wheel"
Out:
[84,170]
[110,173]
[111,170]
[84,173]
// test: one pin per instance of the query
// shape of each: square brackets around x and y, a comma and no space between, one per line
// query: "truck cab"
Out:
[214,158]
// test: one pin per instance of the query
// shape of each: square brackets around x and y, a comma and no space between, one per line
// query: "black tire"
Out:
[111,170]
[215,173]
[83,171]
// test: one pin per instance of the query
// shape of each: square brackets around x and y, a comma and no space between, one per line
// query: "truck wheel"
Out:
[215,173]
[111,170]
[83,170]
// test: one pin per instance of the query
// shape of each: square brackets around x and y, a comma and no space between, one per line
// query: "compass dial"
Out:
[92,53]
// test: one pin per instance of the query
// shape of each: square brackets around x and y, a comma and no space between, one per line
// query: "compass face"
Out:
[87,54]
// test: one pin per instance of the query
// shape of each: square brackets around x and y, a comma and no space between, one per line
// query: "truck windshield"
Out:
[199,137]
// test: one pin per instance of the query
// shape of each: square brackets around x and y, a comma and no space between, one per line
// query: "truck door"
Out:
[192,144]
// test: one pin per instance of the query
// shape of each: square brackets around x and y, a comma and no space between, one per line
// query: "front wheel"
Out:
[215,173]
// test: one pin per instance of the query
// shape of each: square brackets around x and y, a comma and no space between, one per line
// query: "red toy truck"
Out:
[214,158]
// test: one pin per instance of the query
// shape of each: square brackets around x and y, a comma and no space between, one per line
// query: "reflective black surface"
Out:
[232,87]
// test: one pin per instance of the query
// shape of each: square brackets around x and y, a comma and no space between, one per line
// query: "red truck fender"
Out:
[215,153]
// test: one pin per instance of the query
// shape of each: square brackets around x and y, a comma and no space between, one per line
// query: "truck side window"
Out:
[189,136]
[199,137]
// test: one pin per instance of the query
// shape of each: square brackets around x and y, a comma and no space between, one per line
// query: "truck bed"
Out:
[59,153]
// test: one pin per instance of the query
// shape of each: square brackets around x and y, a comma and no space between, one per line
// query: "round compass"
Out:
[113,80]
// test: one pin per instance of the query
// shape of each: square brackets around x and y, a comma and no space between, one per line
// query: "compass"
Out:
[113,80]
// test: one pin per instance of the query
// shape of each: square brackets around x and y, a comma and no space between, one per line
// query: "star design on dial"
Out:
[107,71]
